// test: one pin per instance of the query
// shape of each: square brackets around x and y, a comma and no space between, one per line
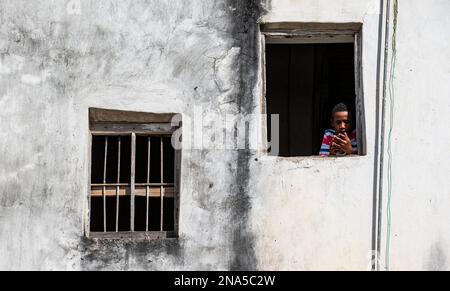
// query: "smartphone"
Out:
[341,153]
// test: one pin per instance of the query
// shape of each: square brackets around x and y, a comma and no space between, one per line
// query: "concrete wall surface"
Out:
[239,209]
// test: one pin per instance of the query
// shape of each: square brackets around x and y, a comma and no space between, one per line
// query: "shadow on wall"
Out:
[437,260]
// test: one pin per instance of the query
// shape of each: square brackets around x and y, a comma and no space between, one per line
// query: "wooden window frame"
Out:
[105,122]
[315,33]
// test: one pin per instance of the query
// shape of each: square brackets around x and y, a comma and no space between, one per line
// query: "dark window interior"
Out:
[141,175]
[304,82]
[98,157]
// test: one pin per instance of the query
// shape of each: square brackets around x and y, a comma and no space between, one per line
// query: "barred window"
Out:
[134,175]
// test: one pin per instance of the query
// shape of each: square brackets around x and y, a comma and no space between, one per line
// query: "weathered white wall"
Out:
[313,213]
[57,59]
[420,140]
[321,10]
[239,209]
[316,214]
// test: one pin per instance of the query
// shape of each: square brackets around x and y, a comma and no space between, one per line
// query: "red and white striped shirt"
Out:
[328,139]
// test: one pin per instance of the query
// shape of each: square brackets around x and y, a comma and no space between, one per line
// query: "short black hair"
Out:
[341,107]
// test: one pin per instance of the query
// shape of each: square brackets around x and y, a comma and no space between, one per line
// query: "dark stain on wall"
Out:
[246,35]
[437,260]
[130,254]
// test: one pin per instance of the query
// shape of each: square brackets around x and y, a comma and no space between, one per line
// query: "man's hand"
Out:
[341,142]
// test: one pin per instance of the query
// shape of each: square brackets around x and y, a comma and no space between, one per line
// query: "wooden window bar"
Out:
[162,181]
[118,187]
[104,182]
[147,188]
[133,177]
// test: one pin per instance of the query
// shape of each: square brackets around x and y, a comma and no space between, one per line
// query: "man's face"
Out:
[341,122]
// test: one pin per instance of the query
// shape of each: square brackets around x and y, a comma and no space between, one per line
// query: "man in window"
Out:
[340,140]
